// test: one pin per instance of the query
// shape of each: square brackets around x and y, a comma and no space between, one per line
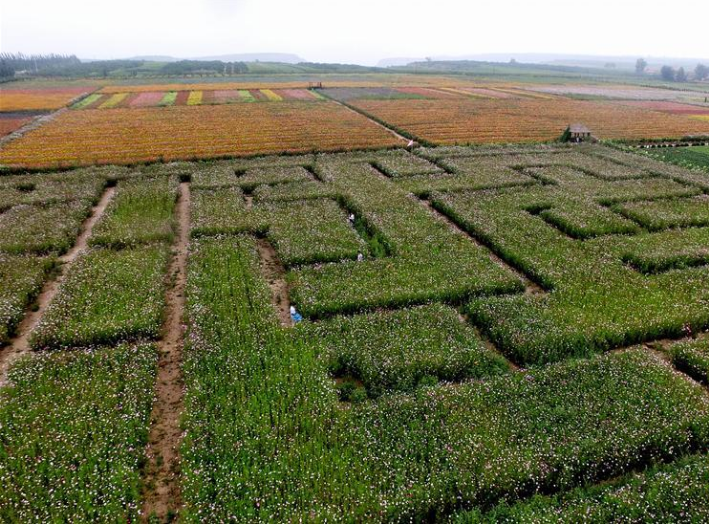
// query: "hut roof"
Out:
[579,128]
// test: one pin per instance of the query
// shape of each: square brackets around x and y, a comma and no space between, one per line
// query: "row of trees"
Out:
[670,74]
[12,63]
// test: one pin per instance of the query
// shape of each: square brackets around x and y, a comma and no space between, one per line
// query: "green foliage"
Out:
[693,358]
[691,157]
[657,215]
[22,278]
[107,296]
[398,350]
[312,231]
[73,429]
[42,229]
[674,493]
[51,188]
[141,212]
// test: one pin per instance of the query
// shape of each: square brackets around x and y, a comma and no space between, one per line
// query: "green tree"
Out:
[640,66]
[667,73]
[701,72]
[681,75]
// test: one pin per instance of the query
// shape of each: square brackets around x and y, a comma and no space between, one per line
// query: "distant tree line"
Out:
[182,67]
[670,74]
[11,63]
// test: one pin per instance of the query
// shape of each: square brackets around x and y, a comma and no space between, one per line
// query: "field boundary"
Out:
[19,346]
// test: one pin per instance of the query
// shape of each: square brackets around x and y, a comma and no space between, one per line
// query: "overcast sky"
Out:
[356,31]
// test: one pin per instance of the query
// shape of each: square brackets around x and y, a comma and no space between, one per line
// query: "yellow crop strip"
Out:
[114,101]
[271,95]
[195,98]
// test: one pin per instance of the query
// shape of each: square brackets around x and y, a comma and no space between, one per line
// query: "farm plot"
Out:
[191,98]
[426,454]
[524,120]
[13,122]
[123,136]
[16,99]
[621,92]
[477,362]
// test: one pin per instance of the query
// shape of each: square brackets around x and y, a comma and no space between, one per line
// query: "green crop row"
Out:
[42,229]
[402,164]
[73,429]
[251,178]
[657,215]
[266,438]
[668,250]
[107,296]
[398,350]
[429,260]
[693,358]
[48,189]
[223,211]
[675,493]
[140,212]
[592,287]
[312,231]
[22,278]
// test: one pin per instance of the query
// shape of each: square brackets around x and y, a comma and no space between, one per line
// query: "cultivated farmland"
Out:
[150,134]
[488,333]
[483,121]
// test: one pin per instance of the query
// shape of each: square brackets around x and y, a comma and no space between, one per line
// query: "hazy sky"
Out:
[356,31]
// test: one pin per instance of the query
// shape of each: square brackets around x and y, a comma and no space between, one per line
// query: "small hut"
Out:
[579,133]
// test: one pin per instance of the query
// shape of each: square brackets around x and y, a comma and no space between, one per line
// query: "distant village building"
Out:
[579,133]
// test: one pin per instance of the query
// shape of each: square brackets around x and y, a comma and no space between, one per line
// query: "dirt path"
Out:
[161,492]
[20,344]
[275,274]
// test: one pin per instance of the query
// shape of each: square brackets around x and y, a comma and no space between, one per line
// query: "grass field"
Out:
[692,157]
[488,333]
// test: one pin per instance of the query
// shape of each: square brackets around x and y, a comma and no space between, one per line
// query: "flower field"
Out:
[515,333]
[193,98]
[483,121]
[142,135]
[15,99]
[13,123]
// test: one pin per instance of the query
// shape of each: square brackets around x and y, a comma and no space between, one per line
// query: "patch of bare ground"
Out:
[19,346]
[162,498]
[32,125]
[275,274]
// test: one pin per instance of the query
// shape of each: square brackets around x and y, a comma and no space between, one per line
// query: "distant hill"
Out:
[583,61]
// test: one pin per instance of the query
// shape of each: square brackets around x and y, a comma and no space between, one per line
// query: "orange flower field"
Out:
[38,99]
[525,120]
[124,136]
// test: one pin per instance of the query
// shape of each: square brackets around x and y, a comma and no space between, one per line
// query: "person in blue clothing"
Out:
[294,315]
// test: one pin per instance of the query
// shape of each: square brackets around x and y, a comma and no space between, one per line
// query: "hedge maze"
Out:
[488,333]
